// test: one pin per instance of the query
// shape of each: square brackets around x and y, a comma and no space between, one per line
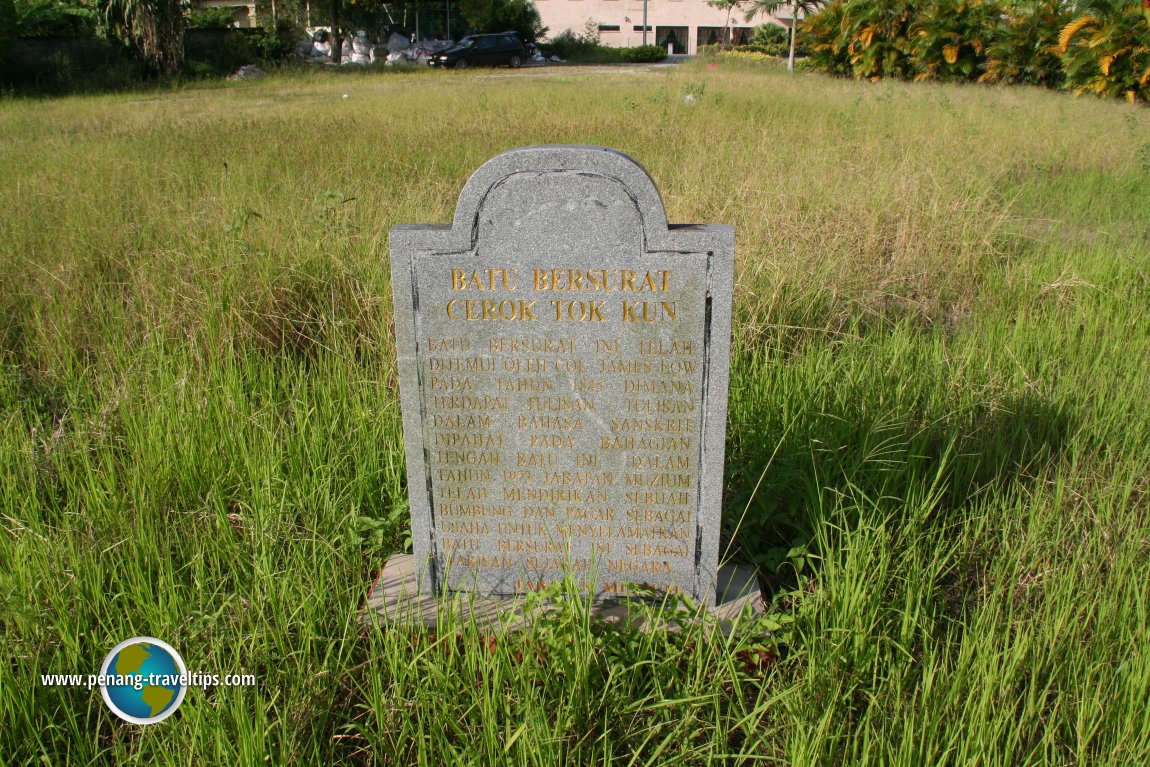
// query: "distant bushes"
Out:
[745,53]
[44,18]
[52,65]
[210,18]
[215,52]
[571,46]
[54,62]
[767,40]
[774,40]
[1095,46]
[764,51]
[64,46]
[585,48]
[643,53]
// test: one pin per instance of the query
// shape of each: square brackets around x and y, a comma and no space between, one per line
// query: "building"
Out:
[683,25]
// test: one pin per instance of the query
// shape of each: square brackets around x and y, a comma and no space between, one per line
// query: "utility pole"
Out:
[644,22]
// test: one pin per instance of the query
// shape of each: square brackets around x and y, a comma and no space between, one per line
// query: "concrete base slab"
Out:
[394,599]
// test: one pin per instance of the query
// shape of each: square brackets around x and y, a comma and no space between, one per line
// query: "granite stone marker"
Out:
[563,359]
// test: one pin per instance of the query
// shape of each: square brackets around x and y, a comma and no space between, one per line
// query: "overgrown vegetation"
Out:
[1099,46]
[775,41]
[70,46]
[767,39]
[938,444]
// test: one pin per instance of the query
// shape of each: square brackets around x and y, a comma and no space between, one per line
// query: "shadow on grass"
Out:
[792,467]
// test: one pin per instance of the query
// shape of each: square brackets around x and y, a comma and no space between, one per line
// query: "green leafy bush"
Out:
[771,39]
[571,46]
[643,53]
[73,65]
[53,19]
[1106,50]
[828,54]
[7,36]
[210,18]
[215,52]
[272,46]
[1024,44]
[948,40]
[715,49]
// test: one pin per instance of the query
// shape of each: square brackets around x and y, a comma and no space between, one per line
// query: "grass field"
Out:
[938,448]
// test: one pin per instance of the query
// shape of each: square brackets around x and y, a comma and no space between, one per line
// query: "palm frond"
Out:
[1072,29]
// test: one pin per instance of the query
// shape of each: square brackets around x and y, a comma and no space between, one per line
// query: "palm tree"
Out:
[767,7]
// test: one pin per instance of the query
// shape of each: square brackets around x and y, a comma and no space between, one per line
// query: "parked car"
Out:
[503,49]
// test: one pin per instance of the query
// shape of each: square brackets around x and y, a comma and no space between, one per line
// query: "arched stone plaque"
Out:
[563,359]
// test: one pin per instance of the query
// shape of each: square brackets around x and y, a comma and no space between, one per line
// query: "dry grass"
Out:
[937,423]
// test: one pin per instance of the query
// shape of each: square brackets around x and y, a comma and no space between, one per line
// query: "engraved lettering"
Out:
[484,279]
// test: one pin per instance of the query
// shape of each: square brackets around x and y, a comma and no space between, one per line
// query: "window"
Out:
[608,27]
[639,28]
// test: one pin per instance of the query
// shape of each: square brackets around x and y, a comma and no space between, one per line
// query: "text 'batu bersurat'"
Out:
[562,281]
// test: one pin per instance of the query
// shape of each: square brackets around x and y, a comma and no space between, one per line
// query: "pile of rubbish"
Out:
[359,49]
[402,49]
[248,72]
[399,49]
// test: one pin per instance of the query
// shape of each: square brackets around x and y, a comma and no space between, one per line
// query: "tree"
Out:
[55,18]
[766,7]
[155,28]
[504,16]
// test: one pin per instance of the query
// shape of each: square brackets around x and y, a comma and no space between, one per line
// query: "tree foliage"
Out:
[948,40]
[504,16]
[1092,46]
[7,35]
[1025,48]
[822,33]
[50,18]
[154,28]
[1106,49]
[865,38]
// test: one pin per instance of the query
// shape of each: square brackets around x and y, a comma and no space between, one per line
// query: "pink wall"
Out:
[559,15]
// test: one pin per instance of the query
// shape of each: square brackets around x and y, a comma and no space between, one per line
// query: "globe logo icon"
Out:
[143,680]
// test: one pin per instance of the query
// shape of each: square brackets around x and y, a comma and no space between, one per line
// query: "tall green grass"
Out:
[938,443]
